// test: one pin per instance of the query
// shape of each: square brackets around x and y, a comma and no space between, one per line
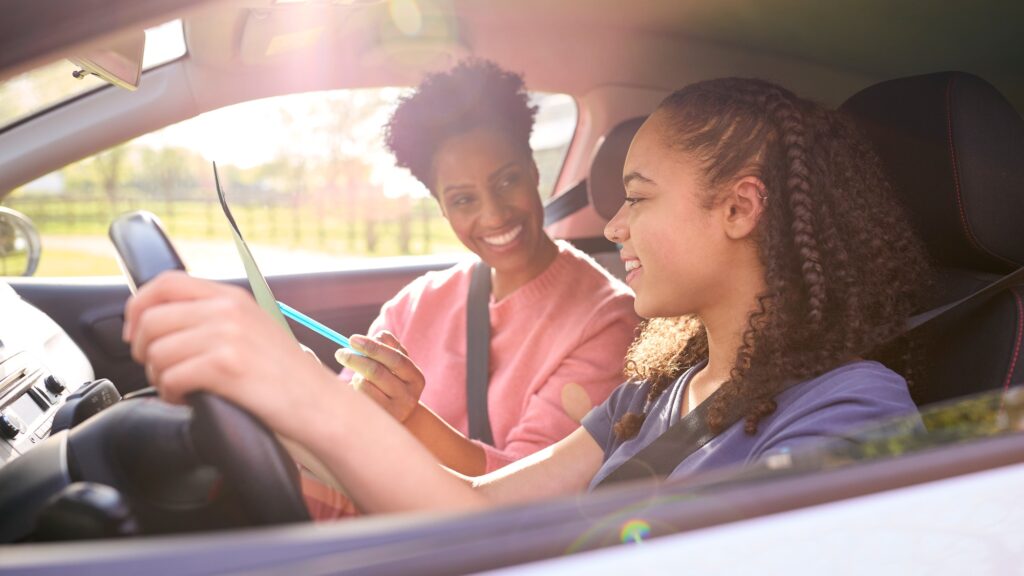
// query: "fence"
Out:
[399,226]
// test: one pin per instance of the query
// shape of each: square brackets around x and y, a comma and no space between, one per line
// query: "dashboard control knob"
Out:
[54,384]
[8,428]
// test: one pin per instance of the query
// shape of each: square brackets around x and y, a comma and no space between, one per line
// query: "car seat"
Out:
[602,189]
[954,149]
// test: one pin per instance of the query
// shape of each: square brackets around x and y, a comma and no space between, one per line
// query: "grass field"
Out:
[12,264]
[302,227]
[59,262]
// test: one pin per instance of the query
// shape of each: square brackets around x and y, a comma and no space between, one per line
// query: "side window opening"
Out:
[308,177]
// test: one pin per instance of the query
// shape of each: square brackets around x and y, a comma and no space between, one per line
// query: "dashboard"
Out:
[41,368]
[79,462]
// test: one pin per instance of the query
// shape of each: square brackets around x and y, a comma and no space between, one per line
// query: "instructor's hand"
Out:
[385,373]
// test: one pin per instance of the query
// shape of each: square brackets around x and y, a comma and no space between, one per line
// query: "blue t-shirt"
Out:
[822,408]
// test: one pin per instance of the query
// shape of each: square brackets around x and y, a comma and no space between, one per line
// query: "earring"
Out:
[763,195]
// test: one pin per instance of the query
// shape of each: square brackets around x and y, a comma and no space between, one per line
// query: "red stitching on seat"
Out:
[956,169]
[1016,344]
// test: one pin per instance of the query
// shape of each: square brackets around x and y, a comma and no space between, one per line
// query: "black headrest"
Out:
[954,147]
[604,185]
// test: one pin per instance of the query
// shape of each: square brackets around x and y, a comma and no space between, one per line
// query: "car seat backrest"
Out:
[954,149]
[604,185]
[603,190]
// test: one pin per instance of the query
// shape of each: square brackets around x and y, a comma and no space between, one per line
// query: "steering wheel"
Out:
[252,461]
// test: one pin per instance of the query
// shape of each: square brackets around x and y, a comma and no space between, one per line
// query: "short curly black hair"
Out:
[475,93]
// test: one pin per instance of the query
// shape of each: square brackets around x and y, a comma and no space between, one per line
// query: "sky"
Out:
[253,133]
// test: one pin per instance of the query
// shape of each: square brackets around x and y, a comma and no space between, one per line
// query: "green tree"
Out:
[404,209]
[167,171]
[111,172]
[349,126]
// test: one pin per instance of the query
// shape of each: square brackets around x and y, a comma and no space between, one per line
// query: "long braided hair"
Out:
[843,269]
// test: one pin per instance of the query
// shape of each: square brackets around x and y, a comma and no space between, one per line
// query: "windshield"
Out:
[44,87]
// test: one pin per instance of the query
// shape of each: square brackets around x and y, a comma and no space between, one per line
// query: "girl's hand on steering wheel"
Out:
[196,335]
[384,373]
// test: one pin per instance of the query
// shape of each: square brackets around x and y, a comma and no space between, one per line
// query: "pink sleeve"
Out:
[582,380]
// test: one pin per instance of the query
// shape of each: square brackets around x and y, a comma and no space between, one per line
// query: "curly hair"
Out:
[843,269]
[473,94]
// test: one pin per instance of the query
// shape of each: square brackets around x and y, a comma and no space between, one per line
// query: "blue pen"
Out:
[314,325]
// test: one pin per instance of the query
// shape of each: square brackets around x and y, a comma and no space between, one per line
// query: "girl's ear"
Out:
[743,207]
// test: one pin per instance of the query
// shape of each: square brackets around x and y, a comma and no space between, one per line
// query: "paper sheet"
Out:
[260,288]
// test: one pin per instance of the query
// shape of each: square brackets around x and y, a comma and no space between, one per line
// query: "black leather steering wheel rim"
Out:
[251,460]
[253,463]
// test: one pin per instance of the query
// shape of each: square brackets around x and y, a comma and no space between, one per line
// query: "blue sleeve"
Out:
[835,408]
[602,418]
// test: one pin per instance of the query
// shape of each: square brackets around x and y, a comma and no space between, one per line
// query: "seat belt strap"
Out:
[478,352]
[659,458]
[567,203]
[1017,276]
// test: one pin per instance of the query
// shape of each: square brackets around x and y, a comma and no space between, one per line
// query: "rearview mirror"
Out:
[118,61]
[19,244]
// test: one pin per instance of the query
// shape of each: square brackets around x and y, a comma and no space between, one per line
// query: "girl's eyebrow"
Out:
[636,176]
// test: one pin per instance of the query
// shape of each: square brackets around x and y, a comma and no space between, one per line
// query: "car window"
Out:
[35,91]
[307,175]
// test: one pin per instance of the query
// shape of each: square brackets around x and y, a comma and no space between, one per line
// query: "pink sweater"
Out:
[557,349]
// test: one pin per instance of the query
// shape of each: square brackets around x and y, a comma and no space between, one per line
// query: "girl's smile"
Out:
[633,268]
